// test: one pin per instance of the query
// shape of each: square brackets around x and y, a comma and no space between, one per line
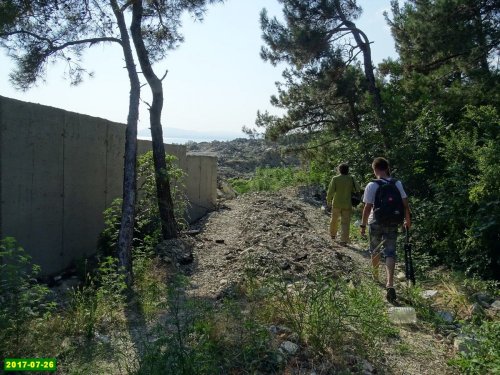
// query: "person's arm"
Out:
[406,205]
[364,220]
[331,192]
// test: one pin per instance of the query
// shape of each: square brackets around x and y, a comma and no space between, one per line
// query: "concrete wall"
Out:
[201,178]
[60,170]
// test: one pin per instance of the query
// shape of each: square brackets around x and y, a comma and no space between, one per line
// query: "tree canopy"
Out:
[438,111]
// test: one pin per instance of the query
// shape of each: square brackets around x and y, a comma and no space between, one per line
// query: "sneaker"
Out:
[391,295]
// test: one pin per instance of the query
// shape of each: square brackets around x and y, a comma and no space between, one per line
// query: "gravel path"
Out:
[288,230]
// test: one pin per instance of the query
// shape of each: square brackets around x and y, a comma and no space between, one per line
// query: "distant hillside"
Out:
[240,157]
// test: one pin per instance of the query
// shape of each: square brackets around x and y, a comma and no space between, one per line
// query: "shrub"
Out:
[147,230]
[22,299]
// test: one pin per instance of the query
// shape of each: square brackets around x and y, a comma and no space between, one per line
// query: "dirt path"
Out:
[285,230]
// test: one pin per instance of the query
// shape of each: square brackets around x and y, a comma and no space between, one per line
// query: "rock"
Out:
[273,329]
[367,367]
[464,344]
[429,294]
[226,190]
[482,297]
[285,265]
[178,249]
[401,276]
[102,338]
[446,316]
[289,347]
[495,305]
[186,259]
[223,282]
[294,337]
[477,309]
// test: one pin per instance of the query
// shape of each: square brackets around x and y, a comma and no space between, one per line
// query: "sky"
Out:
[216,79]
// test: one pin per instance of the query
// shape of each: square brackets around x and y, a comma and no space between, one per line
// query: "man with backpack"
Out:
[338,197]
[386,207]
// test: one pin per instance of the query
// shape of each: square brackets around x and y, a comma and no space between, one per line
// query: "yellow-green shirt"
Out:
[340,190]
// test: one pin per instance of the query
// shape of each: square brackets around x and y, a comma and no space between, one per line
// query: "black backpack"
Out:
[388,207]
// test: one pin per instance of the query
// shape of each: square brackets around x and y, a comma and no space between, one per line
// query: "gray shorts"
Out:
[378,233]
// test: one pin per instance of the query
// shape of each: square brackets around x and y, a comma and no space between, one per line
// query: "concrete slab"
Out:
[115,149]
[47,189]
[16,171]
[84,184]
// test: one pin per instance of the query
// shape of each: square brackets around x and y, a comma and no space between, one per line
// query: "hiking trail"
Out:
[289,230]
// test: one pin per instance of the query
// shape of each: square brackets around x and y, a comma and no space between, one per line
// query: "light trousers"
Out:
[344,214]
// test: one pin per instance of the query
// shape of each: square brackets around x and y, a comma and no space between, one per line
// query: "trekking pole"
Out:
[409,272]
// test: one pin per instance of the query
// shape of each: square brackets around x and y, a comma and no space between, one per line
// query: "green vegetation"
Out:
[91,330]
[433,112]
[273,179]
[23,302]
[483,351]
[329,318]
[147,230]
[331,314]
[479,329]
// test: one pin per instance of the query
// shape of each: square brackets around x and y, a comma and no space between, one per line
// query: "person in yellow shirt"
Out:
[339,198]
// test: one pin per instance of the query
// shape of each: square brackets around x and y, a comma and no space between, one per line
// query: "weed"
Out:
[99,301]
[272,179]
[483,354]
[412,295]
[330,314]
[150,284]
[22,300]
[198,339]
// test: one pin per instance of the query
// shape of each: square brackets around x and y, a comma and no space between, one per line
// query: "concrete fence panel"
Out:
[59,172]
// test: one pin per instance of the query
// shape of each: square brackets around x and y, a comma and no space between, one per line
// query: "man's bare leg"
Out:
[390,265]
[375,264]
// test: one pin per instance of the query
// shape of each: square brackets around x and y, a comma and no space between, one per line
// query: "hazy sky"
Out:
[216,79]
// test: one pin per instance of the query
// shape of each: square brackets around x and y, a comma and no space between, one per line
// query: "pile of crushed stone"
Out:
[240,157]
[287,232]
[262,233]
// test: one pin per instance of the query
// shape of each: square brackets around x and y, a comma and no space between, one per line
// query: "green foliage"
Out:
[147,231]
[413,297]
[440,101]
[96,304]
[22,300]
[483,352]
[150,283]
[273,179]
[202,340]
[329,314]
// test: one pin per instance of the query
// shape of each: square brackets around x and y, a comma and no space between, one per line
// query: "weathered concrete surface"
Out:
[201,183]
[59,170]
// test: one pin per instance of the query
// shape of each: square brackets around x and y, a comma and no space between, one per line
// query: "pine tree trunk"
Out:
[163,193]
[126,234]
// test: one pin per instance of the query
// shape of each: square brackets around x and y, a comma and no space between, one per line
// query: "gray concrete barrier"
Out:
[60,170]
